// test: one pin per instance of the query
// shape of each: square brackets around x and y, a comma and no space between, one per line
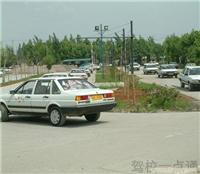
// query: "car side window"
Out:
[55,89]
[43,87]
[27,88]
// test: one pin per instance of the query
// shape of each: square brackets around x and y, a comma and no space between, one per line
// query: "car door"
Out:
[185,75]
[20,101]
[41,96]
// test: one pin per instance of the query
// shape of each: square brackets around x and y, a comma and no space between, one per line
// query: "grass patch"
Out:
[20,80]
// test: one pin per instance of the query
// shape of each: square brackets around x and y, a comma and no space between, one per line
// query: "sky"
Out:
[21,20]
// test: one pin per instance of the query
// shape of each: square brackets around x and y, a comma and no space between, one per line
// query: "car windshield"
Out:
[150,66]
[195,71]
[68,84]
[168,67]
[77,71]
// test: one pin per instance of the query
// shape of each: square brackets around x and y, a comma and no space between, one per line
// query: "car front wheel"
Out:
[92,117]
[56,117]
[4,113]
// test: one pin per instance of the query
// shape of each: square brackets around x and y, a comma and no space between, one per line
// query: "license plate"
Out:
[97,97]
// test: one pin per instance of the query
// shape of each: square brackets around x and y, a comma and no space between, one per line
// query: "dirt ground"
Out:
[128,94]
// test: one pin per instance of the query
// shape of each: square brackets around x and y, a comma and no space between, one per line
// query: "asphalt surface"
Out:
[114,144]
[169,82]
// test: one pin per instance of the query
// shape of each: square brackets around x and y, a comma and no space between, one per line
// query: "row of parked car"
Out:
[190,75]
[58,95]
[84,72]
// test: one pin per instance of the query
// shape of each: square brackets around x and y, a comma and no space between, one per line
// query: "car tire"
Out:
[176,76]
[92,117]
[56,117]
[190,87]
[4,113]
[182,84]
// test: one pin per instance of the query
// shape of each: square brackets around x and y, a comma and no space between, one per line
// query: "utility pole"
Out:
[132,70]
[101,31]
[124,50]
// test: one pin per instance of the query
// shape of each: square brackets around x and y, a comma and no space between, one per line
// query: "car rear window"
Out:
[69,84]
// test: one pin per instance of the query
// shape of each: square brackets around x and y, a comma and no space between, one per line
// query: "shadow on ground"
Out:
[44,121]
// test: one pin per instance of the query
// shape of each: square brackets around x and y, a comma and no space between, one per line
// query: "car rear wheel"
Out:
[56,117]
[92,117]
[4,113]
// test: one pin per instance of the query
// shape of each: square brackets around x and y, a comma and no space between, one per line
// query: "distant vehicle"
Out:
[191,77]
[136,66]
[78,73]
[86,70]
[57,97]
[175,64]
[1,73]
[190,64]
[150,68]
[96,67]
[87,66]
[56,74]
[167,70]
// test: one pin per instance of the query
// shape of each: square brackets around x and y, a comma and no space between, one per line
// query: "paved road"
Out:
[112,145]
[170,82]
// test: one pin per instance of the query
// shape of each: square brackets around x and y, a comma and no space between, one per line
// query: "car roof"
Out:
[56,78]
[56,73]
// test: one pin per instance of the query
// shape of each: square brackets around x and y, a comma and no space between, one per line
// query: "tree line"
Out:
[180,49]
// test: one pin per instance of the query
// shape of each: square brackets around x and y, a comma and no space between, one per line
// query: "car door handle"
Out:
[27,96]
[45,97]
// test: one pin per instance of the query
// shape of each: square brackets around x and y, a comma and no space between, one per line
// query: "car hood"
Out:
[151,68]
[169,70]
[195,77]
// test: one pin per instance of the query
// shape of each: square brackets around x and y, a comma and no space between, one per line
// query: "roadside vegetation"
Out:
[137,96]
[180,49]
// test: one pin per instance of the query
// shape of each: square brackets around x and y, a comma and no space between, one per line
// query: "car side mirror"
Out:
[12,92]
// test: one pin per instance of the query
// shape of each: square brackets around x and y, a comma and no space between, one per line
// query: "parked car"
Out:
[150,68]
[56,74]
[78,73]
[57,97]
[1,73]
[136,66]
[190,64]
[87,71]
[167,70]
[191,77]
[96,67]
[174,64]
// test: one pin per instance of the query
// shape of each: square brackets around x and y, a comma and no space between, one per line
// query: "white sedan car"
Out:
[167,70]
[57,97]
[78,73]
